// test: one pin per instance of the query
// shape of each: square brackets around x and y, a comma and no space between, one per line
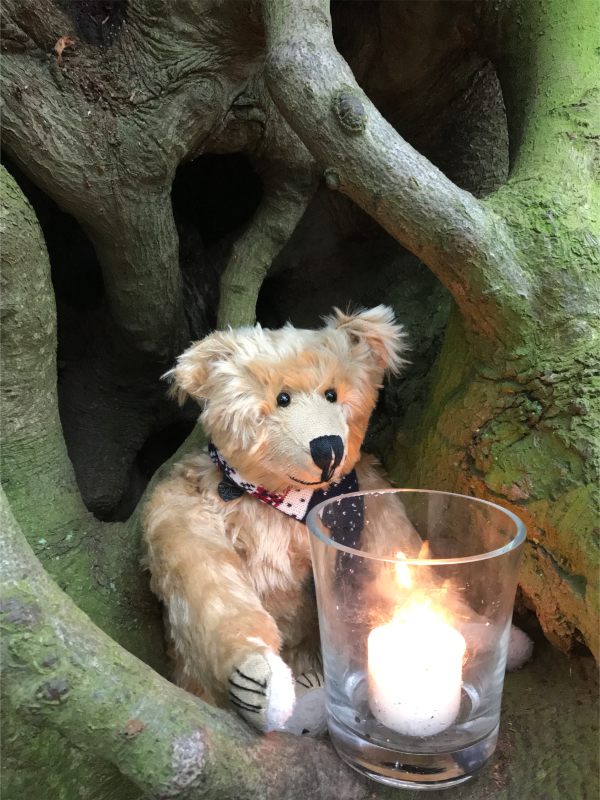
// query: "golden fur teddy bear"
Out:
[286,412]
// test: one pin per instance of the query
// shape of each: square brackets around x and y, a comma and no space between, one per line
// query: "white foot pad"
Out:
[261,690]
[310,715]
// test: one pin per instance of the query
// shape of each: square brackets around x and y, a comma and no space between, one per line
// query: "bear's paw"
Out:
[261,689]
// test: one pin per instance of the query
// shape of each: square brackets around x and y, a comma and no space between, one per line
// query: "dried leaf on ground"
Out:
[133,727]
[61,45]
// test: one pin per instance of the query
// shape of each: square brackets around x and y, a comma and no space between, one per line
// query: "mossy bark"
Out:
[515,418]
[125,730]
[513,407]
[514,404]
[94,560]
[63,673]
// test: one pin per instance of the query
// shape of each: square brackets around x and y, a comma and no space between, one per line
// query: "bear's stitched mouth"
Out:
[305,483]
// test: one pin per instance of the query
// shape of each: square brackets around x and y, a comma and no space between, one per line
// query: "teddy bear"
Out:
[226,543]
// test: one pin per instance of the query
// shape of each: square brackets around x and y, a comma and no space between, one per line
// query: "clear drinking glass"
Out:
[415,591]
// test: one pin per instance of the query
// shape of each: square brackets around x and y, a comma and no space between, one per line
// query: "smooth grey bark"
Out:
[280,210]
[465,244]
[289,179]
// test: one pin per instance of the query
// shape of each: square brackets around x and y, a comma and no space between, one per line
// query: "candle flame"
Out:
[425,550]
[403,576]
[422,606]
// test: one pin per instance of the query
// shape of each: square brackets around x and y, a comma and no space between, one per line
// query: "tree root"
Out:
[169,743]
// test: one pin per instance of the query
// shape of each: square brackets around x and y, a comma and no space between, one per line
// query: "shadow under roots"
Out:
[117,431]
[157,449]
[96,21]
[214,197]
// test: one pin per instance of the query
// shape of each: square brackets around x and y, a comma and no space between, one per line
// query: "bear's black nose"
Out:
[327,452]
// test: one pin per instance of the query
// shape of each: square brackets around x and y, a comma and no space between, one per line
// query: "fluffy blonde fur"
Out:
[234,575]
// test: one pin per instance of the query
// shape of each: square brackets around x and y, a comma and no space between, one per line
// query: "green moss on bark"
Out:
[514,417]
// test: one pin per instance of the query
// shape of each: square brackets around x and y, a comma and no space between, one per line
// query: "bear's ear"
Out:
[191,376]
[377,328]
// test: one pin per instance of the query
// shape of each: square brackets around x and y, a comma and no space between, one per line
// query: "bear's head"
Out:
[290,407]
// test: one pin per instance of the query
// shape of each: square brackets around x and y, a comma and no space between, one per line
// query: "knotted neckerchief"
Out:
[345,519]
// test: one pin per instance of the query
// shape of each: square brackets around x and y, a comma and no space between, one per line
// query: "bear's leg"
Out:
[226,644]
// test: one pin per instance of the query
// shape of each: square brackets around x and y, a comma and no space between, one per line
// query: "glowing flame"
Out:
[416,657]
[420,607]
[403,576]
[425,551]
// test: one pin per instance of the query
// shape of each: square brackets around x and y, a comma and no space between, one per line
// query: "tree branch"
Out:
[60,670]
[98,563]
[77,132]
[138,249]
[280,210]
[289,182]
[462,241]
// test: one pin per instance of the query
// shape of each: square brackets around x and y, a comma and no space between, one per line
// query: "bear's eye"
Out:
[283,399]
[331,395]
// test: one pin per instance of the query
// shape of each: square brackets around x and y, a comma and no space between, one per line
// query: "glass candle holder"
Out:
[415,591]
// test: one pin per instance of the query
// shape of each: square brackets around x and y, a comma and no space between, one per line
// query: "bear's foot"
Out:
[261,689]
[520,649]
[309,717]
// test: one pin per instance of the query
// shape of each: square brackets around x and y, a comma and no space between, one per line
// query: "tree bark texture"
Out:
[162,739]
[494,250]
[514,404]
[166,743]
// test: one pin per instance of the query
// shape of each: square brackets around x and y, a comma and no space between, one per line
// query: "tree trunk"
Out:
[104,106]
[520,419]
[513,407]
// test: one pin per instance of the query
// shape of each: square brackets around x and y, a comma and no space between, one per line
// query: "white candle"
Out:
[415,671]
